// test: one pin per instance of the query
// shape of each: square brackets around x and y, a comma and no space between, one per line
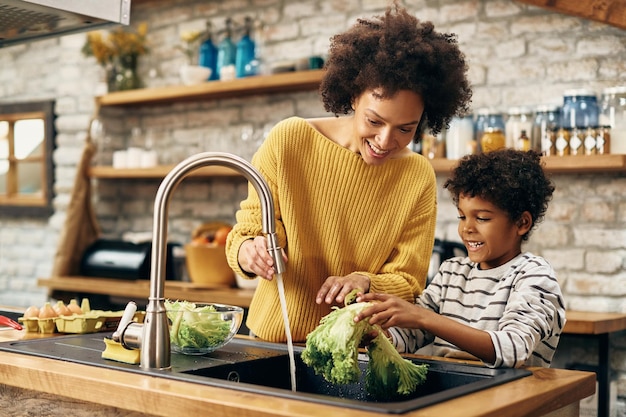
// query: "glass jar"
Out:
[576,139]
[603,140]
[561,141]
[614,116]
[589,140]
[548,145]
[433,146]
[580,109]
[460,138]
[519,118]
[486,118]
[493,139]
[542,134]
[523,142]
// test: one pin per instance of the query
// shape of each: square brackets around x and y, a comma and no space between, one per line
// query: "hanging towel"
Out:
[81,226]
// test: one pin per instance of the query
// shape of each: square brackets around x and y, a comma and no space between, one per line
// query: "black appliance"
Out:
[124,260]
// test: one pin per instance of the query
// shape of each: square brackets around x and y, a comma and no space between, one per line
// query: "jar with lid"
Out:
[460,137]
[523,142]
[576,140]
[590,136]
[519,118]
[561,142]
[546,120]
[580,109]
[493,139]
[603,140]
[486,118]
[433,146]
[614,116]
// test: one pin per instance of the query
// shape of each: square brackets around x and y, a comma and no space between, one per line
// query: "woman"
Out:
[355,207]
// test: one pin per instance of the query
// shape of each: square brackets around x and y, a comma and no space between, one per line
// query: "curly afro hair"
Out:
[512,180]
[397,52]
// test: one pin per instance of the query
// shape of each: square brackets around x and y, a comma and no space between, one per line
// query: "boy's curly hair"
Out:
[397,52]
[512,180]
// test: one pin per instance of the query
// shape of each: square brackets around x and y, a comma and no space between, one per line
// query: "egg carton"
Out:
[92,322]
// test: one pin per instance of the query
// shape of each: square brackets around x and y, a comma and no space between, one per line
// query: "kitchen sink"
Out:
[263,368]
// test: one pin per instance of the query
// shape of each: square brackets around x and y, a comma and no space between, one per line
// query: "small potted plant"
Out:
[118,53]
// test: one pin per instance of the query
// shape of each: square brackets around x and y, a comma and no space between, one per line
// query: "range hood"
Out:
[23,21]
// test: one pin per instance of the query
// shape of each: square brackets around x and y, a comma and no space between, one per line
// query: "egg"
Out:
[74,307]
[61,309]
[31,312]
[47,312]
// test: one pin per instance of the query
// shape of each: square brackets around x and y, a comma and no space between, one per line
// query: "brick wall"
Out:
[518,55]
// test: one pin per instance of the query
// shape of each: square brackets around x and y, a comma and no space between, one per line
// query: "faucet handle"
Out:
[127,317]
[276,253]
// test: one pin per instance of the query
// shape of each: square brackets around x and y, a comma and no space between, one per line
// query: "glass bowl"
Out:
[200,328]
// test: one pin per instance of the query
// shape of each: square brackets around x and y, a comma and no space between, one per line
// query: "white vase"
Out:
[194,74]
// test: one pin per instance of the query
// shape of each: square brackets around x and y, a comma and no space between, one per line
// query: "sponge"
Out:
[116,352]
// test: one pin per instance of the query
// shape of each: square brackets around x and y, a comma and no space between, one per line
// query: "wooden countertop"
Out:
[584,322]
[578,322]
[140,289]
[545,391]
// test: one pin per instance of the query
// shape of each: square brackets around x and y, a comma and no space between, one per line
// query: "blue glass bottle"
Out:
[207,54]
[245,52]
[226,50]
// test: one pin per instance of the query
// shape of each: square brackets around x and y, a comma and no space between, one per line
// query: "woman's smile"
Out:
[380,153]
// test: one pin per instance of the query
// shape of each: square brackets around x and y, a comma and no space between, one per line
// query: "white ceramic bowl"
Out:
[194,74]
[202,327]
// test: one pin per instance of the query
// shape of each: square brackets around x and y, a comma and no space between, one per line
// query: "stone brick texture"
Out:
[518,55]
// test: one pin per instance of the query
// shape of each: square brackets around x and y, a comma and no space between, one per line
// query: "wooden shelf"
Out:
[611,12]
[159,172]
[554,164]
[240,87]
[140,289]
[559,164]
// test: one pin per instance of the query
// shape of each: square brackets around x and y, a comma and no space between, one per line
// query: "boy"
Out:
[498,304]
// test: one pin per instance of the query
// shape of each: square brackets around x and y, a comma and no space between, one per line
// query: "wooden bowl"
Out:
[207,265]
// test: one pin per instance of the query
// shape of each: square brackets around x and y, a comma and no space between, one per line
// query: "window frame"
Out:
[20,206]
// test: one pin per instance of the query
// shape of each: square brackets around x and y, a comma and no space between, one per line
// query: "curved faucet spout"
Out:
[155,340]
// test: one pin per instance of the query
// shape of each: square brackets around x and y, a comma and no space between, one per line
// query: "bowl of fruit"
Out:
[206,256]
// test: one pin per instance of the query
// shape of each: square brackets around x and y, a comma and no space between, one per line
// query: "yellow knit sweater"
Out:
[335,215]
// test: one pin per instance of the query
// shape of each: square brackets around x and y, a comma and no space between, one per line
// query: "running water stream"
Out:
[283,305]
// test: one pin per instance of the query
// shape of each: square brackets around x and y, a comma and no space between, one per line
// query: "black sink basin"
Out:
[263,368]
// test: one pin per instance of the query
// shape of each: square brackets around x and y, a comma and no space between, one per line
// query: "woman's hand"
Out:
[255,259]
[335,289]
[390,311]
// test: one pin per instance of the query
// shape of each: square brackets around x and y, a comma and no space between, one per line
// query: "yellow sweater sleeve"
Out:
[335,215]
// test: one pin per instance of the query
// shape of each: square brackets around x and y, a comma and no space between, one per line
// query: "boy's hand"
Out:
[389,311]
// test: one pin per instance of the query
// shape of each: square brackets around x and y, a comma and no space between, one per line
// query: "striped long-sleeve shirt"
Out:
[519,304]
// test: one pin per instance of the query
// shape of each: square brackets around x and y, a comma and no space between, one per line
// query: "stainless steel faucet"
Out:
[152,336]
